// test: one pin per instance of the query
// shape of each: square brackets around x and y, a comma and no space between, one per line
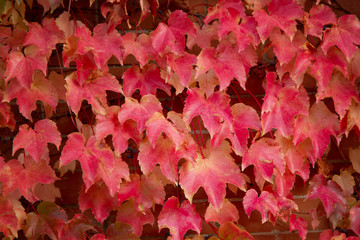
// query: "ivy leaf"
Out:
[329,193]
[212,173]
[127,213]
[173,34]
[139,111]
[355,159]
[319,16]
[179,219]
[121,133]
[139,46]
[44,36]
[266,204]
[50,220]
[230,231]
[99,200]
[226,213]
[345,34]
[77,227]
[355,218]
[346,181]
[35,141]
[281,105]
[10,218]
[264,154]
[118,231]
[145,191]
[299,224]
[40,89]
[93,90]
[320,124]
[163,153]
[147,80]
[281,14]
[182,66]
[23,67]
[213,110]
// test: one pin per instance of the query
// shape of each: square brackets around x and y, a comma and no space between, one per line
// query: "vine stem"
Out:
[212,227]
[235,93]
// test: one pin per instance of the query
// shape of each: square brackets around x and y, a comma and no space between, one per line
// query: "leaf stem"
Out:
[202,137]
[212,227]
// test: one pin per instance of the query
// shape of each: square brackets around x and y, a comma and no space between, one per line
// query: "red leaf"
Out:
[282,14]
[344,35]
[139,46]
[41,89]
[173,34]
[230,231]
[266,204]
[146,192]
[355,218]
[319,16]
[118,231]
[182,66]
[213,110]
[281,105]
[179,219]
[50,219]
[320,124]
[9,220]
[127,213]
[264,154]
[22,67]
[298,223]
[212,173]
[35,141]
[93,90]
[163,153]
[329,193]
[226,213]
[284,182]
[147,80]
[121,133]
[46,36]
[139,112]
[99,200]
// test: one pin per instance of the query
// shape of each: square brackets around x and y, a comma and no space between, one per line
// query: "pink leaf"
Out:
[319,16]
[179,219]
[298,223]
[227,213]
[355,218]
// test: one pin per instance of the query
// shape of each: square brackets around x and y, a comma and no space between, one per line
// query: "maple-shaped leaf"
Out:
[139,46]
[346,181]
[298,223]
[46,192]
[91,155]
[49,220]
[10,219]
[93,90]
[23,67]
[213,110]
[162,152]
[99,200]
[179,218]
[355,218]
[40,89]
[284,182]
[146,192]
[121,133]
[27,176]
[158,124]
[345,35]
[139,111]
[224,10]
[227,213]
[266,204]
[182,66]
[118,231]
[281,14]
[264,154]
[147,80]
[227,63]
[207,82]
[103,43]
[342,91]
[127,213]
[35,140]
[319,15]
[320,124]
[244,117]
[296,159]
[44,36]
[246,33]
[329,193]
[212,173]
[173,34]
[354,155]
[204,35]
[230,231]
[77,227]
[50,5]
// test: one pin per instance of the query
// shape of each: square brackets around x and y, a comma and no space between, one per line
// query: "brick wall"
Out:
[71,182]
